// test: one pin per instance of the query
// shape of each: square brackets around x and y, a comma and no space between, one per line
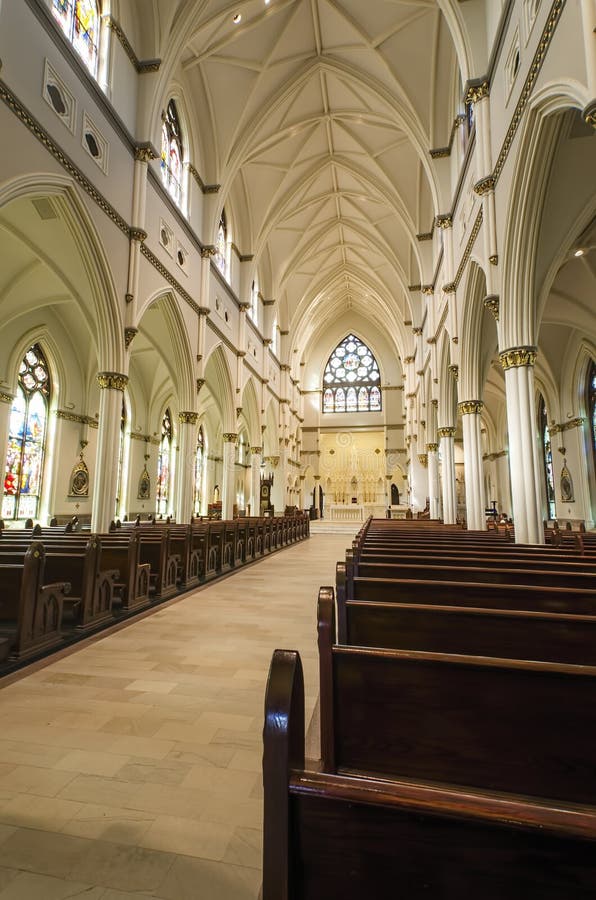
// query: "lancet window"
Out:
[351,379]
[164,460]
[172,153]
[79,20]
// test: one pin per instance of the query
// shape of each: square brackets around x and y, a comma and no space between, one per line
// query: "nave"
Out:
[132,766]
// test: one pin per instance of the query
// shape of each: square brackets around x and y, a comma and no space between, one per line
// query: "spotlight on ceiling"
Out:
[579,252]
[237,18]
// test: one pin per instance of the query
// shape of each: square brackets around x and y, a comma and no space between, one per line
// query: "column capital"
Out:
[518,356]
[453,369]
[229,437]
[112,380]
[446,431]
[477,91]
[256,450]
[200,383]
[492,303]
[423,459]
[244,307]
[188,418]
[432,448]
[470,407]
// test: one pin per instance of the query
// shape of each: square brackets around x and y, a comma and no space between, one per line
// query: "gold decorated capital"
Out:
[137,234]
[256,450]
[432,448]
[229,437]
[129,336]
[449,288]
[417,331]
[112,380]
[444,221]
[6,398]
[423,459]
[188,418]
[477,92]
[589,114]
[208,252]
[484,185]
[453,369]
[518,356]
[244,307]
[470,407]
[200,383]
[409,359]
[446,432]
[428,290]
[492,303]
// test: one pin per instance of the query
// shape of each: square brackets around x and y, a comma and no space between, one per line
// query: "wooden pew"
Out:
[78,560]
[123,552]
[30,608]
[331,836]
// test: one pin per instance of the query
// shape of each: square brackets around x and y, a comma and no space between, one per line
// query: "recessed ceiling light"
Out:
[579,252]
[237,18]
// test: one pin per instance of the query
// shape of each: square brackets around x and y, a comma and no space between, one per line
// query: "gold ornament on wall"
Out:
[79,477]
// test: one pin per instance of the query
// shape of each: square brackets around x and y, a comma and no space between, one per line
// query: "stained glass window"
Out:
[592,405]
[351,379]
[221,248]
[199,469]
[121,456]
[547,458]
[163,464]
[79,20]
[27,430]
[172,153]
[254,302]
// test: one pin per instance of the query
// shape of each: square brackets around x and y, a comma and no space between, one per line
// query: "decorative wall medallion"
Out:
[566,484]
[144,491]
[79,478]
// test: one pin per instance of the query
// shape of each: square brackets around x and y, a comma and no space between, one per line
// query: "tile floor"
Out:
[132,767]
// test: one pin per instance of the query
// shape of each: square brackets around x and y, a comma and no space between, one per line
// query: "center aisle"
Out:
[132,767]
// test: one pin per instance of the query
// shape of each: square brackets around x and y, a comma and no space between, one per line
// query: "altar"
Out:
[345,512]
[399,511]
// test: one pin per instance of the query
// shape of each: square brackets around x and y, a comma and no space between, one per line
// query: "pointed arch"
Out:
[250,408]
[219,381]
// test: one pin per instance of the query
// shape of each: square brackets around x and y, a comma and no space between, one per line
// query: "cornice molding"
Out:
[141,65]
[204,188]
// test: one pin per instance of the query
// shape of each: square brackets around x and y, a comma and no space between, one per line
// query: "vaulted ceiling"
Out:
[316,117]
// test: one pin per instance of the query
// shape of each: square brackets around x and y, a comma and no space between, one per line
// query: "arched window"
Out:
[351,379]
[27,431]
[163,464]
[199,457]
[172,153]
[79,20]
[221,248]
[254,302]
[591,406]
[274,332]
[547,458]
[119,485]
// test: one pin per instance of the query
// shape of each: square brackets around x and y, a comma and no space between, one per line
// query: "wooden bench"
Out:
[332,836]
[30,608]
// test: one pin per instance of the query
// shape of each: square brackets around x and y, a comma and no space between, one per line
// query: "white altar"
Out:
[345,512]
[399,511]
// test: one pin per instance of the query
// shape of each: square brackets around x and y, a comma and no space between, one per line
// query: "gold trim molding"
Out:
[492,303]
[577,422]
[113,381]
[470,407]
[6,398]
[75,417]
[518,356]
[188,417]
[141,65]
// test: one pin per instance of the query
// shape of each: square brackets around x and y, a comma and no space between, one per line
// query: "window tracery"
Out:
[351,379]
[79,20]
[27,432]
[172,153]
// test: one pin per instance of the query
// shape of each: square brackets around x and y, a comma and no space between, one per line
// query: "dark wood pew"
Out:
[495,571]
[30,607]
[510,634]
[123,552]
[78,560]
[331,836]
[482,723]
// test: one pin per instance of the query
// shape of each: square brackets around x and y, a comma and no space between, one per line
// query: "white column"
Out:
[589,29]
[255,480]
[447,435]
[433,480]
[112,385]
[524,462]
[470,411]
[229,475]
[187,457]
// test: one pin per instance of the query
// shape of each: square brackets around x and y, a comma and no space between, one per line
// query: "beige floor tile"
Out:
[45,813]
[44,852]
[28,886]
[35,780]
[87,763]
[218,781]
[108,823]
[245,848]
[122,867]
[247,760]
[200,879]
[207,840]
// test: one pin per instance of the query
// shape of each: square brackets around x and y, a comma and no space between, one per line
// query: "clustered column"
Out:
[187,458]
[470,411]
[112,386]
[432,451]
[256,455]
[447,435]
[518,364]
[229,475]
